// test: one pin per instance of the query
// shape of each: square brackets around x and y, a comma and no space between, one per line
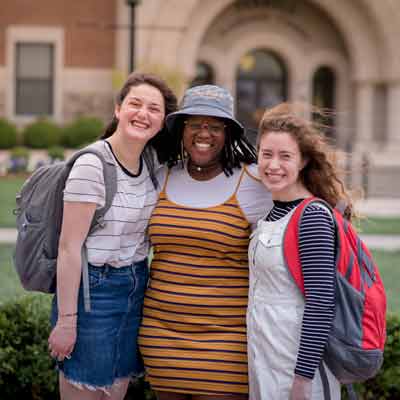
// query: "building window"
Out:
[261,82]
[34,78]
[324,98]
[204,75]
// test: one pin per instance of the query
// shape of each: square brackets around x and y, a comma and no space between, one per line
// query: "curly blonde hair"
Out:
[321,174]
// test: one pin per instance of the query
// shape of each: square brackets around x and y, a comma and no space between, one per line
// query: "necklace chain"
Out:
[209,169]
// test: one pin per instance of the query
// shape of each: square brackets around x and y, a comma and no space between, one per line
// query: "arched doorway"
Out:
[324,97]
[261,82]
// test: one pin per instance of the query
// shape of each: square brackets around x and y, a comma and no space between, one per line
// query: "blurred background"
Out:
[62,59]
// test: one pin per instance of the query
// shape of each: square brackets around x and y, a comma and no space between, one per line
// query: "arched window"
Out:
[324,97]
[204,75]
[261,82]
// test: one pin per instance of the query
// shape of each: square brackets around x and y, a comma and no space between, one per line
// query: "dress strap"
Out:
[240,180]
[163,192]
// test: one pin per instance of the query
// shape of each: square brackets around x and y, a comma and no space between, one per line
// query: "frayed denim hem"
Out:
[105,389]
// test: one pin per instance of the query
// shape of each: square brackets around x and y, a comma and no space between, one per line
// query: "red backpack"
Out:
[354,351]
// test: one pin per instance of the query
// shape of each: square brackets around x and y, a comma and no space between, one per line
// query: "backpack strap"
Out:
[325,381]
[110,179]
[110,184]
[351,393]
[148,156]
[291,240]
[85,278]
[341,206]
[291,254]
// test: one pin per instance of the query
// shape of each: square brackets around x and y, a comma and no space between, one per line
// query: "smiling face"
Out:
[141,113]
[204,139]
[279,165]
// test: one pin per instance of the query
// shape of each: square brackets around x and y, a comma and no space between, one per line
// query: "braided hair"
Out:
[237,148]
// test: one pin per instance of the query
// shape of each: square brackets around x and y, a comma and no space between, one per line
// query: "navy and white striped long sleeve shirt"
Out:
[317,257]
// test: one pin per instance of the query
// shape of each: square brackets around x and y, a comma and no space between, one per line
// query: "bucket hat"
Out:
[209,100]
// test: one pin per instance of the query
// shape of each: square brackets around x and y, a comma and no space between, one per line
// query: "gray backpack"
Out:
[39,216]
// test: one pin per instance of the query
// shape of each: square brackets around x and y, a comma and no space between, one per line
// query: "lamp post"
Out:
[132,4]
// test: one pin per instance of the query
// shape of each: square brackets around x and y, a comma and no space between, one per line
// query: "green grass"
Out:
[9,186]
[388,263]
[389,267]
[10,287]
[379,225]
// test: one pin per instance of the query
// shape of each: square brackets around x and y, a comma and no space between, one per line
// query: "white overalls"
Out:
[274,319]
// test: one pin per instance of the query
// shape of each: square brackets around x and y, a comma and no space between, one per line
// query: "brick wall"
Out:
[89,27]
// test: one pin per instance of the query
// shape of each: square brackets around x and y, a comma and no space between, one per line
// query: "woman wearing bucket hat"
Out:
[193,335]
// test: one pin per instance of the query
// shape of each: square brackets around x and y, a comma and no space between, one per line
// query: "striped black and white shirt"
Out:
[123,239]
[317,257]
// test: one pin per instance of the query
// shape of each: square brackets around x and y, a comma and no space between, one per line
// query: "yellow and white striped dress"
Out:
[193,334]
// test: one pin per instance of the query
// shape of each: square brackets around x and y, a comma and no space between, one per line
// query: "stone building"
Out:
[65,58]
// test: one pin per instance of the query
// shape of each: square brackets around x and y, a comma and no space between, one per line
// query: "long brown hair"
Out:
[321,174]
[159,142]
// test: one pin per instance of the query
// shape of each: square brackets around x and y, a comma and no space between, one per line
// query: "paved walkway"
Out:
[379,207]
[383,242]
[8,235]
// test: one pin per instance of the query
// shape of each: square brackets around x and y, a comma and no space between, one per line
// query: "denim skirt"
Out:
[106,347]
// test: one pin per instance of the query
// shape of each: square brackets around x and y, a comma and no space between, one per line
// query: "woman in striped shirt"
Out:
[193,333]
[96,351]
[286,332]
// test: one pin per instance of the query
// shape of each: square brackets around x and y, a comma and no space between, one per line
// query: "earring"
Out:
[183,154]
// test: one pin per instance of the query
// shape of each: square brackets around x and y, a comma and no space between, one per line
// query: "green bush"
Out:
[56,153]
[83,130]
[42,134]
[8,134]
[19,157]
[20,152]
[26,370]
[386,385]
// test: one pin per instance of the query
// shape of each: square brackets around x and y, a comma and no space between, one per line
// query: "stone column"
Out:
[393,119]
[122,39]
[364,117]
[362,146]
[385,162]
